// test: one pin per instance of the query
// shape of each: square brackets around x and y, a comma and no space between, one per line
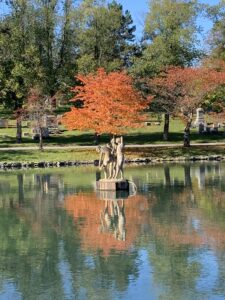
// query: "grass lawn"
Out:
[85,154]
[145,135]
[47,155]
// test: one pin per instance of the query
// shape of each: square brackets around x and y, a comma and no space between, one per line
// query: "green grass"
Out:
[86,154]
[175,152]
[47,155]
[145,135]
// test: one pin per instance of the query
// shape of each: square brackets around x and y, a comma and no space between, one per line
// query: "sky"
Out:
[138,9]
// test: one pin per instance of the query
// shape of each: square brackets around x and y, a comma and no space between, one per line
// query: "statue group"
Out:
[112,158]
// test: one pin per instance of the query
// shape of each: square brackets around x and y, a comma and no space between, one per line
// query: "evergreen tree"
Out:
[105,37]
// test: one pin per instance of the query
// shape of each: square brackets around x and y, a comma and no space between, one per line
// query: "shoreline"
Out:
[134,161]
[15,159]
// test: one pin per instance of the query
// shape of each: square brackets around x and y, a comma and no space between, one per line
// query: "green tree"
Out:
[215,101]
[37,47]
[217,34]
[105,36]
[170,38]
[67,48]
[19,61]
[45,34]
[55,38]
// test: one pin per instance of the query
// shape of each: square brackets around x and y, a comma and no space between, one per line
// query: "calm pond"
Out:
[59,239]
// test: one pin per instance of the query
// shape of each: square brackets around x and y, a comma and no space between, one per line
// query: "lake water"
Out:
[59,239]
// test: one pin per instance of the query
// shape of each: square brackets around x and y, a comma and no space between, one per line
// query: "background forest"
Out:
[44,45]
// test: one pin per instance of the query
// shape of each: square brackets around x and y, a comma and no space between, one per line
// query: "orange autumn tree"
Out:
[189,87]
[110,104]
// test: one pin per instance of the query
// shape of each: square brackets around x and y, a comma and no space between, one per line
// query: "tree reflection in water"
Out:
[107,224]
[59,240]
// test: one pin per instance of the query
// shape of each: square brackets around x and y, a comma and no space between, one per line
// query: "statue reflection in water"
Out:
[113,219]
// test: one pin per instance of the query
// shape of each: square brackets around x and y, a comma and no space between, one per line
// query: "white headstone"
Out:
[200,117]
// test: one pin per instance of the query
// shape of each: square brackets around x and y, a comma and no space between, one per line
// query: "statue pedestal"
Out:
[113,195]
[112,185]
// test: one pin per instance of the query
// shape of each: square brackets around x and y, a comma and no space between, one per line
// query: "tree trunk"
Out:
[41,139]
[96,139]
[166,127]
[167,175]
[20,189]
[187,175]
[187,132]
[186,137]
[18,131]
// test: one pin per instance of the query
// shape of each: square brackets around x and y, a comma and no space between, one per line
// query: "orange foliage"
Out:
[88,208]
[110,104]
[190,85]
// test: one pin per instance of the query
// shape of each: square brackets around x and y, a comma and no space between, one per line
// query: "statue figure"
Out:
[119,158]
[106,160]
[112,158]
[113,145]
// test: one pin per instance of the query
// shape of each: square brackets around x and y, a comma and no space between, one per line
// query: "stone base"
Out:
[112,195]
[112,185]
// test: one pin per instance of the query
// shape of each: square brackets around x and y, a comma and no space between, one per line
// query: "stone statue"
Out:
[106,160]
[119,158]
[112,158]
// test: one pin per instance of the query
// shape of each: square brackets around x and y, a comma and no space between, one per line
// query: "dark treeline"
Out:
[48,42]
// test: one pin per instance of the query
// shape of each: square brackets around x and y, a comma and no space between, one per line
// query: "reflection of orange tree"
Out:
[210,212]
[179,225]
[173,235]
[178,232]
[87,211]
[218,198]
[212,217]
